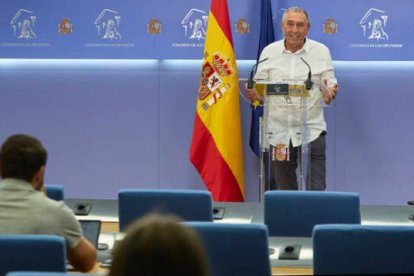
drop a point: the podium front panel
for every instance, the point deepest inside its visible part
(289, 109)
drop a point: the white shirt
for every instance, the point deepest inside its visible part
(284, 114)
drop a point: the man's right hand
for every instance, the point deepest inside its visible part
(253, 95)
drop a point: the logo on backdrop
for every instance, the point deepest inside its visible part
(65, 27)
(373, 24)
(154, 26)
(330, 26)
(242, 26)
(23, 24)
(194, 25)
(107, 24)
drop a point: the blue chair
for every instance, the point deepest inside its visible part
(32, 253)
(295, 213)
(235, 249)
(55, 192)
(363, 249)
(190, 205)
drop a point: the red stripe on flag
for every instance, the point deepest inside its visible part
(214, 170)
(221, 12)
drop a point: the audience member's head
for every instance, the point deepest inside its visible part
(22, 157)
(159, 245)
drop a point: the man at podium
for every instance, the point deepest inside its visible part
(294, 118)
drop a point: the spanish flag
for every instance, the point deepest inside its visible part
(216, 149)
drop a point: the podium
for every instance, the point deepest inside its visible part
(288, 107)
(285, 103)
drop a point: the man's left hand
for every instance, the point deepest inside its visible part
(329, 93)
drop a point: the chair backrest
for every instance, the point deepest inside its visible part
(55, 192)
(363, 249)
(32, 253)
(295, 213)
(235, 249)
(190, 205)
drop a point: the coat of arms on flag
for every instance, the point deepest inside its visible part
(216, 70)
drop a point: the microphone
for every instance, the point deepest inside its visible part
(308, 82)
(250, 81)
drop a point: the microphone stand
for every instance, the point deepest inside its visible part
(265, 155)
(250, 81)
(308, 82)
(304, 157)
(250, 85)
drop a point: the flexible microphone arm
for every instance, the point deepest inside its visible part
(250, 81)
(308, 82)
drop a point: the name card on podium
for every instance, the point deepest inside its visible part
(282, 89)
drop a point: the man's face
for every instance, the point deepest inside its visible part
(295, 28)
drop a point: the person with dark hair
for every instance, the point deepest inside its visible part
(24, 207)
(158, 245)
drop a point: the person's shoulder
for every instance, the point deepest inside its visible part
(61, 214)
(313, 44)
(42, 200)
(51, 206)
(273, 46)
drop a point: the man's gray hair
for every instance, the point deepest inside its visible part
(297, 10)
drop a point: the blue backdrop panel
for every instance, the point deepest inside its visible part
(245, 24)
(178, 98)
(353, 29)
(360, 30)
(76, 29)
(184, 29)
(374, 137)
(128, 124)
(98, 121)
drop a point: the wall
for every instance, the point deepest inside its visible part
(112, 124)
